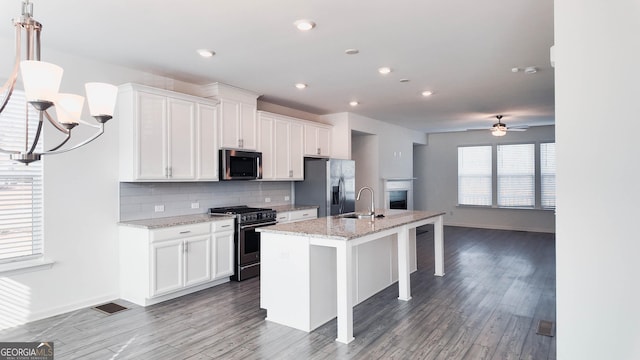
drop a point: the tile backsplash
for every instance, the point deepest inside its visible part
(140, 200)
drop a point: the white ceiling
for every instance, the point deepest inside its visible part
(461, 50)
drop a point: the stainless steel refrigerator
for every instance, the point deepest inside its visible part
(329, 184)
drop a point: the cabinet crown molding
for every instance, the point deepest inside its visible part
(219, 90)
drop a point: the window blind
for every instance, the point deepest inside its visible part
(474, 175)
(516, 174)
(20, 186)
(548, 175)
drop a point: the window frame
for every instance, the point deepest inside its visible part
(494, 176)
(13, 170)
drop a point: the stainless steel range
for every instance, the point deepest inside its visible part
(247, 239)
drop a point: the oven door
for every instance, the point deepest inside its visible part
(248, 251)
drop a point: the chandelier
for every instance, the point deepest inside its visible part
(41, 82)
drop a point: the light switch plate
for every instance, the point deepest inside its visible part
(195, 205)
(267, 200)
(159, 208)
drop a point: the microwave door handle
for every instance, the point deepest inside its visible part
(258, 168)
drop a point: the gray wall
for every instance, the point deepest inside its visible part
(436, 170)
(138, 200)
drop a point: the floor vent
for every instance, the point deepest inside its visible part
(110, 308)
(545, 328)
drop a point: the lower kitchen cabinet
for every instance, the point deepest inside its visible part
(223, 249)
(161, 264)
(296, 215)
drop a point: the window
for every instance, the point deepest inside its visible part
(510, 176)
(20, 187)
(474, 175)
(548, 175)
(516, 175)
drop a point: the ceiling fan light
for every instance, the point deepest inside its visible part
(498, 130)
(41, 80)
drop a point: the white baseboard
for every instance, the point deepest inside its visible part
(54, 311)
(502, 227)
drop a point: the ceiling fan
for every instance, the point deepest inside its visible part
(500, 128)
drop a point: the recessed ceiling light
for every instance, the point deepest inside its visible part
(205, 53)
(304, 25)
(301, 86)
(354, 103)
(384, 70)
(427, 93)
(404, 80)
(351, 51)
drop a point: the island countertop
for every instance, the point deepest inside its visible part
(335, 227)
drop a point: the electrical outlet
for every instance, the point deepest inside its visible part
(195, 205)
(267, 200)
(286, 198)
(159, 208)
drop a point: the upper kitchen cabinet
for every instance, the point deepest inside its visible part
(281, 144)
(237, 114)
(166, 136)
(317, 140)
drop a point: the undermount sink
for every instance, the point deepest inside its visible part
(361, 216)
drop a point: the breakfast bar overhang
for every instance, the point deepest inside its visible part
(307, 267)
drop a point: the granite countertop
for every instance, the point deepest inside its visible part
(335, 227)
(174, 221)
(291, 207)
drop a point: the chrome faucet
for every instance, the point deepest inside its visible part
(372, 211)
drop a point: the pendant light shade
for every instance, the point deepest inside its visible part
(101, 98)
(69, 108)
(41, 80)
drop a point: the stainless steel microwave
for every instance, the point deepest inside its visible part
(240, 165)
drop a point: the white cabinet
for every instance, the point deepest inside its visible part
(237, 114)
(238, 125)
(166, 136)
(222, 236)
(180, 257)
(206, 143)
(297, 215)
(265, 144)
(281, 144)
(317, 140)
(160, 264)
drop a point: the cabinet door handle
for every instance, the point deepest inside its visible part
(319, 151)
(290, 173)
(186, 247)
(305, 214)
(185, 232)
(225, 226)
(170, 171)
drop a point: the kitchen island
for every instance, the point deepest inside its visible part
(307, 268)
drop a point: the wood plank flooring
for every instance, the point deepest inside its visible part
(498, 285)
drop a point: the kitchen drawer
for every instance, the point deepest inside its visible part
(282, 217)
(181, 231)
(222, 225)
(303, 214)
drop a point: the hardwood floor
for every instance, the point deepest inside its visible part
(498, 285)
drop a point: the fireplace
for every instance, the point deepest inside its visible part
(398, 194)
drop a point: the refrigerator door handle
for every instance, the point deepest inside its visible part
(341, 195)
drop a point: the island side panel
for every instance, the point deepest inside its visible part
(284, 279)
(324, 298)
